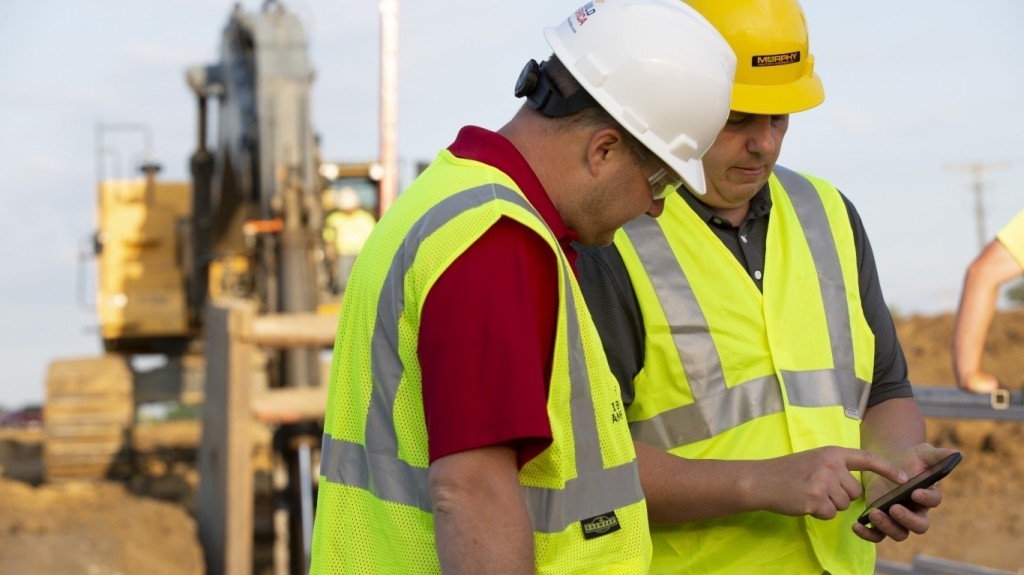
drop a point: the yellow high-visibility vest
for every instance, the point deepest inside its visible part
(374, 512)
(348, 231)
(732, 372)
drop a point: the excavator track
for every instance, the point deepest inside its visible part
(87, 417)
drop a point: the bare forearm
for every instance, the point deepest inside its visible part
(680, 490)
(480, 520)
(892, 427)
(992, 268)
(973, 319)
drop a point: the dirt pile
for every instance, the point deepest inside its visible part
(106, 528)
(146, 525)
(97, 529)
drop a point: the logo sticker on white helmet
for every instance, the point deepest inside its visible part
(579, 18)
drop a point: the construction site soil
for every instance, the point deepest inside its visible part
(146, 523)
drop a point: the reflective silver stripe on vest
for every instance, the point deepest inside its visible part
(718, 408)
(811, 212)
(377, 468)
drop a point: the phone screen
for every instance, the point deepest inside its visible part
(901, 494)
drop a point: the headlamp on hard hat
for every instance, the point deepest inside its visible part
(541, 94)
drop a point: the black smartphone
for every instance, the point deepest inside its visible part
(901, 494)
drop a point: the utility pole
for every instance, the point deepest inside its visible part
(388, 102)
(977, 170)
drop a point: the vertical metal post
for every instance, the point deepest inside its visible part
(977, 170)
(979, 205)
(388, 102)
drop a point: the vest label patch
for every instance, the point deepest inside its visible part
(600, 525)
(775, 59)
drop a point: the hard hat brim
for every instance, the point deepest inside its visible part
(692, 173)
(790, 98)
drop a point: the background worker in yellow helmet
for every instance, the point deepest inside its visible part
(1001, 261)
(347, 229)
(754, 348)
(472, 424)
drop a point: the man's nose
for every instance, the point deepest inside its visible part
(761, 138)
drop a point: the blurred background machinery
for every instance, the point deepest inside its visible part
(220, 293)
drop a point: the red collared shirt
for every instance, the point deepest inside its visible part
(487, 328)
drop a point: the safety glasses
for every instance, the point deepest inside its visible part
(664, 183)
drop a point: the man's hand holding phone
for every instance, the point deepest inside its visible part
(896, 511)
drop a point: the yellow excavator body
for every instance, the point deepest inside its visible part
(141, 290)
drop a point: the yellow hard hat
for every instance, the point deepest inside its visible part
(774, 67)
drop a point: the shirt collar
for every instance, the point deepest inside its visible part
(760, 205)
(493, 149)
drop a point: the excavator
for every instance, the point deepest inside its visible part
(245, 232)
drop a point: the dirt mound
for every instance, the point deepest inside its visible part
(96, 528)
(104, 528)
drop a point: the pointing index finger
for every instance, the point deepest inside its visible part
(860, 460)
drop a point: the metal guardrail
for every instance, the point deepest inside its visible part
(953, 403)
(927, 565)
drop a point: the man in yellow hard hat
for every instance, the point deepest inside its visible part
(756, 355)
(472, 423)
(1002, 260)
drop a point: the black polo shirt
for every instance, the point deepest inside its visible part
(613, 304)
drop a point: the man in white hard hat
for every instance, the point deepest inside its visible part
(757, 357)
(472, 423)
(1001, 261)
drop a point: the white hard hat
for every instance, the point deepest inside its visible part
(659, 68)
(347, 199)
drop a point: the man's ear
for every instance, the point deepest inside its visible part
(607, 147)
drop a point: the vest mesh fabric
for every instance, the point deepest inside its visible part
(374, 510)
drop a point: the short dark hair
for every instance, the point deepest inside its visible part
(592, 117)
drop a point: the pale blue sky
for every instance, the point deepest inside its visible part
(912, 87)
